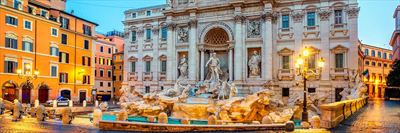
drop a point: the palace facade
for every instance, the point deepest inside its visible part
(158, 37)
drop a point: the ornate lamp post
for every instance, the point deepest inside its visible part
(28, 73)
(302, 69)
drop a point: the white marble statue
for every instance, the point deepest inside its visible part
(183, 67)
(213, 65)
(233, 90)
(254, 63)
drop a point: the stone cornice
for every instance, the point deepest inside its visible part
(239, 18)
(298, 16)
(324, 14)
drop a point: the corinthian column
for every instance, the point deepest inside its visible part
(267, 47)
(171, 57)
(238, 72)
(193, 63)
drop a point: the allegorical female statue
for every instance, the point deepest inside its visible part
(183, 67)
(254, 64)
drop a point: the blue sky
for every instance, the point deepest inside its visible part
(376, 23)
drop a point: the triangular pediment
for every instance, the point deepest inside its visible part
(133, 59)
(339, 49)
(285, 51)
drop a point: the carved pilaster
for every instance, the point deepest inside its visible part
(324, 14)
(171, 25)
(352, 12)
(269, 16)
(297, 16)
(155, 30)
(140, 31)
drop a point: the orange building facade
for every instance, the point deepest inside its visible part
(39, 36)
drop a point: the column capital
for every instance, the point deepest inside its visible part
(155, 29)
(192, 23)
(269, 16)
(324, 14)
(140, 31)
(171, 25)
(239, 18)
(352, 11)
(297, 16)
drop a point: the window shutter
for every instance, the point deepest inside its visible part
(16, 21)
(66, 77)
(15, 43)
(57, 52)
(84, 79)
(31, 46)
(6, 66)
(67, 57)
(60, 57)
(59, 77)
(83, 60)
(23, 45)
(7, 42)
(89, 61)
(15, 66)
(7, 19)
(88, 78)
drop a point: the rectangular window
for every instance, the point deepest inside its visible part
(12, 20)
(133, 36)
(86, 44)
(64, 39)
(163, 66)
(83, 60)
(101, 73)
(101, 49)
(53, 71)
(10, 67)
(148, 13)
(109, 73)
(101, 60)
(367, 63)
(390, 56)
(63, 77)
(285, 62)
(164, 33)
(133, 15)
(148, 34)
(54, 32)
(87, 30)
(101, 84)
(311, 19)
(64, 22)
(285, 92)
(43, 13)
(366, 52)
(285, 21)
(373, 53)
(339, 60)
(30, 9)
(148, 66)
(384, 56)
(27, 46)
(338, 16)
(109, 50)
(379, 54)
(63, 57)
(373, 64)
(133, 66)
(311, 90)
(17, 3)
(53, 51)
(27, 25)
(147, 89)
(11, 43)
(109, 84)
(86, 79)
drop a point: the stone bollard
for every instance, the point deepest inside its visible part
(97, 115)
(41, 113)
(2, 107)
(54, 103)
(36, 103)
(316, 122)
(17, 110)
(70, 103)
(163, 118)
(84, 103)
(185, 121)
(66, 116)
(151, 119)
(96, 103)
(266, 120)
(212, 120)
(122, 115)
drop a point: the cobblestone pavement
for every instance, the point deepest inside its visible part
(377, 116)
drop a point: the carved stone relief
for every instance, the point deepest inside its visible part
(254, 29)
(183, 35)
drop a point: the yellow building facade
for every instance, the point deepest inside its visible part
(37, 38)
(378, 62)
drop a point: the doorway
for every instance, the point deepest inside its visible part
(10, 91)
(43, 93)
(66, 94)
(82, 96)
(26, 92)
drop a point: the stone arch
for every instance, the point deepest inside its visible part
(10, 90)
(43, 92)
(216, 36)
(215, 25)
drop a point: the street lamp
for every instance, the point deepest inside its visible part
(28, 73)
(302, 69)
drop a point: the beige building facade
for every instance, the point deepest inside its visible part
(256, 42)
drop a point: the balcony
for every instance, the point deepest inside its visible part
(147, 76)
(285, 74)
(339, 73)
(311, 32)
(133, 76)
(285, 33)
(339, 30)
(162, 76)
